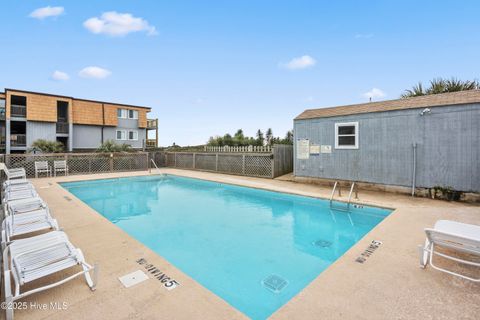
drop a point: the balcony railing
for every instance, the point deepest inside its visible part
(18, 111)
(151, 143)
(62, 127)
(152, 123)
(18, 140)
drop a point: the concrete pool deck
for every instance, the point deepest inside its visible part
(388, 285)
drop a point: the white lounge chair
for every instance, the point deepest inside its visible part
(19, 194)
(26, 216)
(13, 173)
(42, 167)
(21, 224)
(456, 236)
(7, 187)
(24, 205)
(30, 259)
(60, 166)
(14, 182)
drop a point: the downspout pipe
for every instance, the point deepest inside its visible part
(414, 171)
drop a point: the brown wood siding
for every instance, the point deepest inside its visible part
(43, 107)
(85, 112)
(142, 118)
(111, 118)
(7, 105)
(39, 107)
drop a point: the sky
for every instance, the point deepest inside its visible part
(211, 67)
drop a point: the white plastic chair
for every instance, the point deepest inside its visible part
(42, 167)
(457, 236)
(60, 166)
(29, 259)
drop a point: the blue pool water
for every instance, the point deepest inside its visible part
(255, 249)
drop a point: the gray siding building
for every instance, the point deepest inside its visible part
(427, 141)
(79, 124)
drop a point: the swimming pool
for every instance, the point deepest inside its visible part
(255, 249)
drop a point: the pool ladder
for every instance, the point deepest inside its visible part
(353, 188)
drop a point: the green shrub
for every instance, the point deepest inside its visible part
(47, 146)
(112, 146)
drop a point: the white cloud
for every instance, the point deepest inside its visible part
(94, 72)
(374, 93)
(302, 62)
(309, 99)
(59, 76)
(364, 35)
(42, 13)
(118, 24)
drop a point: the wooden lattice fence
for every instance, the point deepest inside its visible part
(271, 164)
(82, 163)
(267, 165)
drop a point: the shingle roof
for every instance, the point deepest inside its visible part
(443, 99)
(68, 97)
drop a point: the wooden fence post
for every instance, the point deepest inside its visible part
(216, 161)
(243, 164)
(194, 156)
(111, 162)
(272, 161)
(66, 160)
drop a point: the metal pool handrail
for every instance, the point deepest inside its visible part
(154, 165)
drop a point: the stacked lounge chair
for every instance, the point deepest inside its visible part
(33, 246)
(457, 237)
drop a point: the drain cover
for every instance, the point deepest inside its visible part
(274, 283)
(322, 243)
(133, 278)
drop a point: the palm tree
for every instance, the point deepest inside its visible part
(260, 137)
(454, 84)
(437, 85)
(440, 85)
(416, 91)
(289, 136)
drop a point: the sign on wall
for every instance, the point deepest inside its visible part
(326, 149)
(303, 149)
(314, 149)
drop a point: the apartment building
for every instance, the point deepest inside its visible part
(79, 124)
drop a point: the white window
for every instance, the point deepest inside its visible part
(122, 113)
(346, 135)
(121, 135)
(133, 135)
(132, 114)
